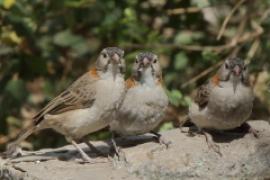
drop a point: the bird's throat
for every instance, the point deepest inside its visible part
(147, 77)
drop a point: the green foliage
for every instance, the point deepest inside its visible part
(176, 98)
(181, 61)
(45, 45)
(166, 126)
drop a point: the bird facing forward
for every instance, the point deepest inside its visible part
(88, 105)
(226, 101)
(145, 101)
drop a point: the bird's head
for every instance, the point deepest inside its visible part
(146, 67)
(111, 59)
(234, 70)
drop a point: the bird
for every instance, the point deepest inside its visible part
(225, 102)
(145, 102)
(86, 106)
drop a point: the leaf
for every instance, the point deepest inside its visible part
(130, 14)
(11, 36)
(66, 38)
(183, 38)
(13, 121)
(187, 37)
(8, 3)
(5, 50)
(78, 3)
(80, 48)
(186, 101)
(201, 3)
(210, 56)
(180, 61)
(170, 77)
(166, 126)
(16, 88)
(175, 97)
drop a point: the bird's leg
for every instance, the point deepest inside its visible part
(182, 121)
(120, 154)
(210, 143)
(192, 131)
(85, 157)
(160, 139)
(93, 148)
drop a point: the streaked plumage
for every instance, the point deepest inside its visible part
(88, 105)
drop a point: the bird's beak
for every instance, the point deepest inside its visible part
(237, 70)
(115, 58)
(146, 61)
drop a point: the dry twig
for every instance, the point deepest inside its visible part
(184, 10)
(202, 74)
(227, 19)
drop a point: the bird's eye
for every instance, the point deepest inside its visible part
(155, 61)
(226, 66)
(245, 68)
(136, 61)
(104, 55)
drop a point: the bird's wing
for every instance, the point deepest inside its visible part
(202, 96)
(203, 92)
(80, 94)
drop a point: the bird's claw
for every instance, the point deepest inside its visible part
(211, 144)
(165, 142)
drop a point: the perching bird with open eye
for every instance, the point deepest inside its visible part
(145, 101)
(226, 101)
(87, 106)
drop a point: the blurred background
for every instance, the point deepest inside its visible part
(45, 45)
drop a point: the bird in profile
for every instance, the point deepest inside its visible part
(145, 102)
(225, 102)
(86, 106)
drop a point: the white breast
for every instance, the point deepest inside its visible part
(142, 110)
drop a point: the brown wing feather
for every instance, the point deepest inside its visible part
(202, 96)
(81, 94)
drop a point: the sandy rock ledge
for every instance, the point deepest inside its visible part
(243, 157)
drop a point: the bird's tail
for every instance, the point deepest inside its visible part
(13, 149)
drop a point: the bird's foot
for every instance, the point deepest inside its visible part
(84, 156)
(13, 151)
(88, 160)
(254, 132)
(161, 140)
(246, 128)
(164, 141)
(211, 144)
(118, 152)
(191, 132)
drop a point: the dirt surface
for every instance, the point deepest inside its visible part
(243, 157)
